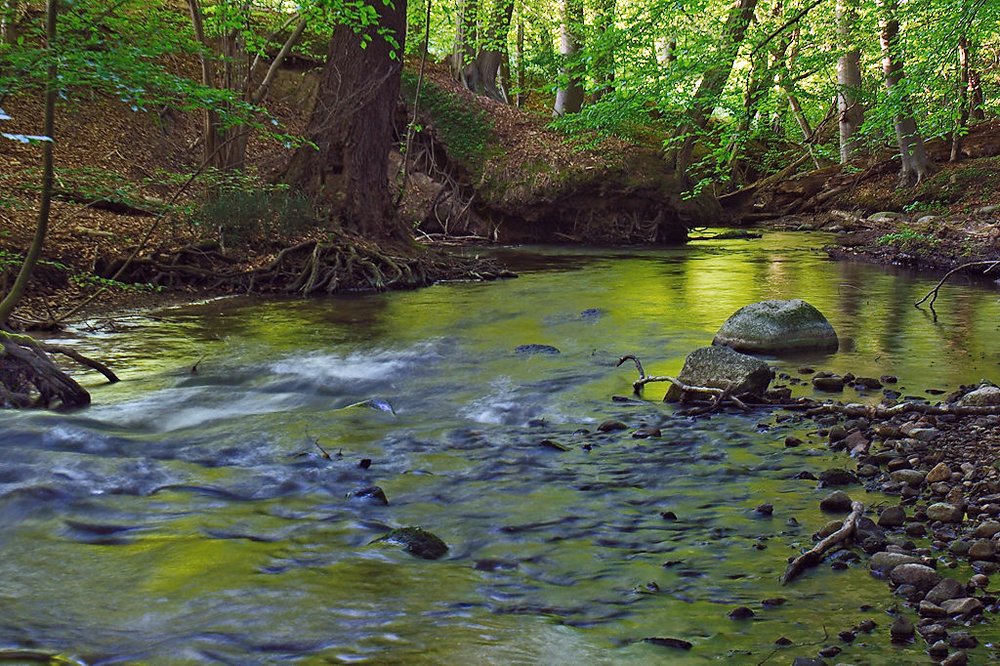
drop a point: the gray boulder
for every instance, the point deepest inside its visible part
(987, 396)
(721, 367)
(776, 327)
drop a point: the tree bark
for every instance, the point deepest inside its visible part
(520, 94)
(713, 82)
(915, 165)
(352, 128)
(848, 82)
(963, 100)
(13, 297)
(569, 95)
(481, 47)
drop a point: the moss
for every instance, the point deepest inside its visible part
(464, 129)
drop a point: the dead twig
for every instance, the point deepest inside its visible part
(933, 293)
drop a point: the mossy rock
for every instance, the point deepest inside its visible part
(778, 327)
(722, 368)
(417, 542)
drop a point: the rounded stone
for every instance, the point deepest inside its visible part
(893, 516)
(775, 327)
(944, 512)
(918, 575)
(722, 368)
(987, 396)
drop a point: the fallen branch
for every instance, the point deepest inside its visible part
(814, 556)
(933, 293)
(854, 410)
(719, 398)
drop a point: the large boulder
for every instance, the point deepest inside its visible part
(723, 368)
(776, 327)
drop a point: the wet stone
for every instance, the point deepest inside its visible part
(962, 640)
(956, 659)
(837, 477)
(919, 576)
(830, 384)
(611, 426)
(808, 661)
(949, 588)
(783, 641)
(847, 636)
(371, 495)
(830, 651)
(982, 549)
(417, 541)
(662, 641)
(944, 512)
(901, 630)
(884, 562)
(740, 613)
(938, 650)
(646, 433)
(988, 529)
(536, 349)
(765, 509)
(963, 606)
(836, 502)
(928, 609)
(893, 516)
(980, 581)
(910, 477)
(867, 626)
(940, 472)
(792, 442)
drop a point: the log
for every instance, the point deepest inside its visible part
(814, 556)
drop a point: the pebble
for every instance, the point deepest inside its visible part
(792, 442)
(928, 609)
(611, 426)
(963, 606)
(980, 581)
(885, 562)
(830, 651)
(938, 651)
(765, 509)
(646, 433)
(837, 476)
(371, 495)
(831, 384)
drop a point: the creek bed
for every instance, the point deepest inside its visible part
(191, 517)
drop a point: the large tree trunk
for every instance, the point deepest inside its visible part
(352, 128)
(915, 164)
(713, 82)
(481, 47)
(569, 95)
(848, 83)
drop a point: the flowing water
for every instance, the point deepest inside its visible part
(190, 517)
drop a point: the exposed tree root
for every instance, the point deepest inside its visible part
(814, 556)
(339, 263)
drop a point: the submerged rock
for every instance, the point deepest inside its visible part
(723, 368)
(536, 349)
(370, 494)
(416, 541)
(776, 327)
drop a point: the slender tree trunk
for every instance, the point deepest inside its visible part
(848, 82)
(713, 82)
(569, 95)
(963, 100)
(352, 128)
(519, 95)
(915, 163)
(9, 13)
(16, 293)
(977, 101)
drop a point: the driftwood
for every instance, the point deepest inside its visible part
(814, 556)
(855, 410)
(719, 398)
(933, 293)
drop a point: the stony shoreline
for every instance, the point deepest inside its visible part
(945, 470)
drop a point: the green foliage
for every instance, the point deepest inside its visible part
(908, 240)
(466, 131)
(241, 209)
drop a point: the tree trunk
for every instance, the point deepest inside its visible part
(851, 112)
(352, 128)
(977, 101)
(521, 93)
(481, 47)
(915, 163)
(666, 51)
(713, 82)
(9, 14)
(569, 95)
(963, 100)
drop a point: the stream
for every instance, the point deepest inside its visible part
(191, 517)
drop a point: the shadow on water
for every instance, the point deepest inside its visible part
(194, 517)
